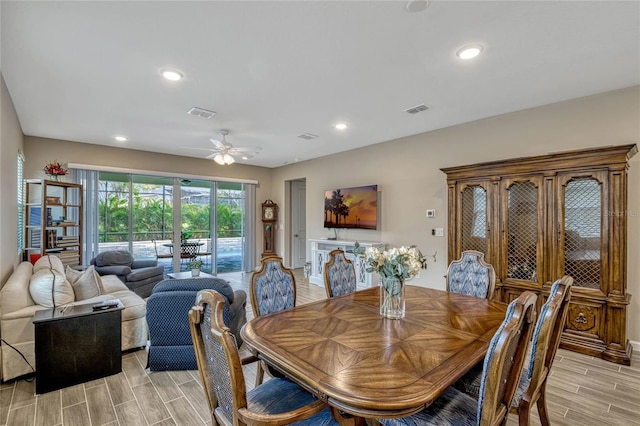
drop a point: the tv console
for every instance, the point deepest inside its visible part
(320, 249)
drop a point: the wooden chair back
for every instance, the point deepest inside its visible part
(471, 275)
(546, 335)
(503, 362)
(272, 287)
(217, 356)
(339, 274)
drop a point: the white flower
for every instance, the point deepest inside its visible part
(403, 262)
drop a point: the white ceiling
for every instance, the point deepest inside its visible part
(86, 71)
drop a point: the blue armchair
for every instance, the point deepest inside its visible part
(170, 343)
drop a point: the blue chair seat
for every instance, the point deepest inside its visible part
(453, 408)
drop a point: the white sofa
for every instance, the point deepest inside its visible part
(17, 309)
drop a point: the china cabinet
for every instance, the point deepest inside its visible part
(539, 218)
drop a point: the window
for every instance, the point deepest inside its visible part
(20, 193)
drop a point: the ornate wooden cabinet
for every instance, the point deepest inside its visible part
(539, 218)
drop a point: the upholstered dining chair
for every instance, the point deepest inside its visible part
(542, 351)
(276, 402)
(471, 275)
(500, 376)
(272, 289)
(339, 274)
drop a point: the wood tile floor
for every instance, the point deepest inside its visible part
(581, 391)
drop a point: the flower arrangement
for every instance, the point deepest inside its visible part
(399, 262)
(394, 267)
(55, 169)
(195, 264)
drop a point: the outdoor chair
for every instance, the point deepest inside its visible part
(500, 376)
(471, 275)
(339, 275)
(276, 402)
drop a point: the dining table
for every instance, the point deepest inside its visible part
(366, 366)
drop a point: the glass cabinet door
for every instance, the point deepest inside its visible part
(581, 225)
(521, 224)
(474, 232)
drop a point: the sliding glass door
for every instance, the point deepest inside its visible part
(206, 222)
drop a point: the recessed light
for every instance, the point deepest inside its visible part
(120, 138)
(341, 126)
(416, 5)
(172, 75)
(469, 52)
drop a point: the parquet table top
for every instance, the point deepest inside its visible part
(342, 350)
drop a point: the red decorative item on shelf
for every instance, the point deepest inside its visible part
(55, 169)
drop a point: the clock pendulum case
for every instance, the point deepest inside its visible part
(269, 218)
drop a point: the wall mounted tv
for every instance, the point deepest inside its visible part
(351, 207)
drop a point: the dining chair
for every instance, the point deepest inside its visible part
(543, 348)
(541, 353)
(339, 274)
(501, 373)
(276, 402)
(272, 289)
(471, 275)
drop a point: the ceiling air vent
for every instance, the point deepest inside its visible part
(307, 136)
(201, 112)
(416, 109)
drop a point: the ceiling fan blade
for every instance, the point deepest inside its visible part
(201, 149)
(246, 149)
(210, 156)
(218, 144)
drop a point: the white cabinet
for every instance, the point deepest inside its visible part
(320, 250)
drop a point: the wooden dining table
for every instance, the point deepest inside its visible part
(367, 366)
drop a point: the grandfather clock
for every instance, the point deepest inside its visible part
(269, 218)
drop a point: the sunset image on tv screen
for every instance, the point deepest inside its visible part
(351, 207)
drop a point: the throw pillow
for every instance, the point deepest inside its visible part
(86, 284)
(50, 288)
(49, 262)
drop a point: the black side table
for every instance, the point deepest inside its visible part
(76, 345)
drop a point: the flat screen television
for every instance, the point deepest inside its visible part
(351, 207)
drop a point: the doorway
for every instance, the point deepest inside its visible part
(298, 215)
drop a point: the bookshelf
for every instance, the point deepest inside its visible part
(53, 220)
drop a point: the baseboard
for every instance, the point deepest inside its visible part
(635, 344)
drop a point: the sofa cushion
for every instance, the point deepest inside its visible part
(50, 288)
(112, 283)
(114, 257)
(49, 262)
(144, 273)
(86, 284)
(15, 292)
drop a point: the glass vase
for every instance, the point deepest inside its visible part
(392, 297)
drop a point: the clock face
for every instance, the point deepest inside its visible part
(268, 213)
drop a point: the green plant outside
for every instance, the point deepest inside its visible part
(153, 218)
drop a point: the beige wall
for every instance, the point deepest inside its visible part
(409, 180)
(406, 171)
(40, 151)
(11, 141)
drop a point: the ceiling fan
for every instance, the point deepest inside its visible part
(225, 153)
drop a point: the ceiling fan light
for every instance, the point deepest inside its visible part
(219, 159)
(228, 159)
